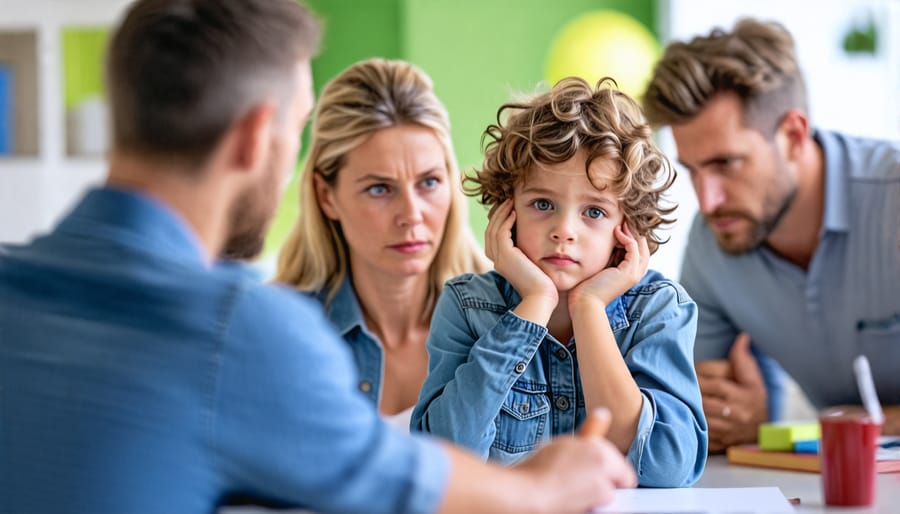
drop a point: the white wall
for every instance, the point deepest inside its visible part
(36, 191)
(858, 95)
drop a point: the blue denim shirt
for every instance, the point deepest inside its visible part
(135, 378)
(346, 316)
(815, 321)
(501, 385)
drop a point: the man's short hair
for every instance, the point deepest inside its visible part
(179, 72)
(756, 60)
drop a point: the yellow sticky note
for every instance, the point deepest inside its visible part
(781, 436)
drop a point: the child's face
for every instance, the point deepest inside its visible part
(564, 224)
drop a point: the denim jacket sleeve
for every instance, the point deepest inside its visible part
(669, 448)
(471, 371)
(291, 426)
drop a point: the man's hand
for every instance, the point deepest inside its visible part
(891, 420)
(734, 397)
(567, 475)
(586, 466)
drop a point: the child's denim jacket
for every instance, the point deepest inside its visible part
(500, 385)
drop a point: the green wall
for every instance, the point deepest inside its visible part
(355, 30)
(478, 52)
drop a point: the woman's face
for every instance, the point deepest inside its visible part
(392, 200)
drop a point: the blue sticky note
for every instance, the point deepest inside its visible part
(809, 446)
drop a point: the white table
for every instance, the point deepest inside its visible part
(797, 484)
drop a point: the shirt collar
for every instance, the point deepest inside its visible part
(837, 193)
(136, 220)
(344, 311)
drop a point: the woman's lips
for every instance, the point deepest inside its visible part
(409, 247)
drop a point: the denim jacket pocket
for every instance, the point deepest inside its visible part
(522, 418)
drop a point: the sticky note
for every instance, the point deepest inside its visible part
(782, 436)
(811, 446)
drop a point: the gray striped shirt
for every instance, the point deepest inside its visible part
(815, 321)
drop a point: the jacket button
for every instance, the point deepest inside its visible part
(365, 386)
(523, 408)
(562, 403)
(520, 367)
(562, 354)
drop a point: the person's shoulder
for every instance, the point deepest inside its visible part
(279, 319)
(655, 285)
(481, 289)
(866, 159)
(477, 281)
(277, 300)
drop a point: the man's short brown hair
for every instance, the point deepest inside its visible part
(756, 60)
(179, 72)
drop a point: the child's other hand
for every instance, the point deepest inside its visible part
(612, 282)
(525, 276)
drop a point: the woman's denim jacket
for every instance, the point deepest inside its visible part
(346, 316)
(500, 385)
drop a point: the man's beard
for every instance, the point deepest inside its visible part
(759, 228)
(249, 219)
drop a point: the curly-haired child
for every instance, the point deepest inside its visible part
(571, 319)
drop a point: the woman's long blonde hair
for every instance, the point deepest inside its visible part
(369, 96)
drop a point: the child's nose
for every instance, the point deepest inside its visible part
(563, 232)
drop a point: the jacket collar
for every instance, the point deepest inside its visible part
(135, 220)
(344, 311)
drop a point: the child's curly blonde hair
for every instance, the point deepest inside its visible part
(551, 127)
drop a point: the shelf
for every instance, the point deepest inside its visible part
(86, 128)
(18, 93)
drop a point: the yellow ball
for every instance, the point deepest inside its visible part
(604, 44)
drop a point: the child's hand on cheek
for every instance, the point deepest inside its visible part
(535, 287)
(612, 282)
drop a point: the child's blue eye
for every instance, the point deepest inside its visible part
(542, 205)
(594, 213)
(377, 190)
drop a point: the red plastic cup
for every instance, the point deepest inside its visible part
(847, 455)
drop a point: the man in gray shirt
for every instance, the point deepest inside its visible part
(796, 246)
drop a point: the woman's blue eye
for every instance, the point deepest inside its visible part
(430, 183)
(594, 213)
(377, 190)
(542, 205)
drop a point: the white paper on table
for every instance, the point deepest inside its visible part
(700, 500)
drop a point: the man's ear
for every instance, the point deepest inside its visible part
(324, 196)
(253, 133)
(792, 134)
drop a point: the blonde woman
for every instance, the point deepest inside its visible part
(382, 224)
